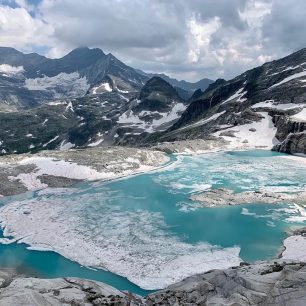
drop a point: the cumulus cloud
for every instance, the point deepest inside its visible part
(20, 30)
(186, 39)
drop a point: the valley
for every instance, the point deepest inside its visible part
(155, 181)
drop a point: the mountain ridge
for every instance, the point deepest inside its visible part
(40, 79)
(260, 108)
(272, 94)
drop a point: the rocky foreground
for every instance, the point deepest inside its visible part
(265, 283)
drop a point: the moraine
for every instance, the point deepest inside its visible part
(146, 228)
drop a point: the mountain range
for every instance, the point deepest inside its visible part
(28, 80)
(89, 98)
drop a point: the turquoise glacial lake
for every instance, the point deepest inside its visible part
(145, 226)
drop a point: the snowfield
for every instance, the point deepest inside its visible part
(129, 117)
(111, 166)
(299, 117)
(61, 86)
(262, 134)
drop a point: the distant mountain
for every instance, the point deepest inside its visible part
(12, 57)
(85, 98)
(188, 87)
(28, 80)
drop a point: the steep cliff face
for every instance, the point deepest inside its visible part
(291, 133)
(294, 143)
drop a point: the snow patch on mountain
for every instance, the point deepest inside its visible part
(203, 121)
(101, 88)
(238, 94)
(64, 146)
(96, 143)
(300, 117)
(50, 141)
(174, 114)
(274, 105)
(260, 134)
(160, 124)
(290, 78)
(61, 86)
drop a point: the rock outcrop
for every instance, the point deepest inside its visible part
(260, 284)
(223, 197)
(264, 283)
(294, 143)
(16, 290)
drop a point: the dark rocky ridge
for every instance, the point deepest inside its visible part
(278, 81)
(292, 135)
(156, 95)
(189, 87)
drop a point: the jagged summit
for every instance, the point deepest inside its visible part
(157, 95)
(84, 52)
(157, 85)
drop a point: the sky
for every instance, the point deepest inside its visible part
(186, 39)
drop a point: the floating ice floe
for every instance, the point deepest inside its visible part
(136, 244)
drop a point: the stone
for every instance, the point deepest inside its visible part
(264, 283)
(228, 134)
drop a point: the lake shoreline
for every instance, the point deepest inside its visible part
(28, 212)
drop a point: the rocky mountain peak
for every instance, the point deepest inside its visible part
(83, 52)
(197, 94)
(157, 85)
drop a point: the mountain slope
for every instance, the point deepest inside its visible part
(261, 107)
(103, 118)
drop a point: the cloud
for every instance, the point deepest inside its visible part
(284, 29)
(186, 39)
(19, 30)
